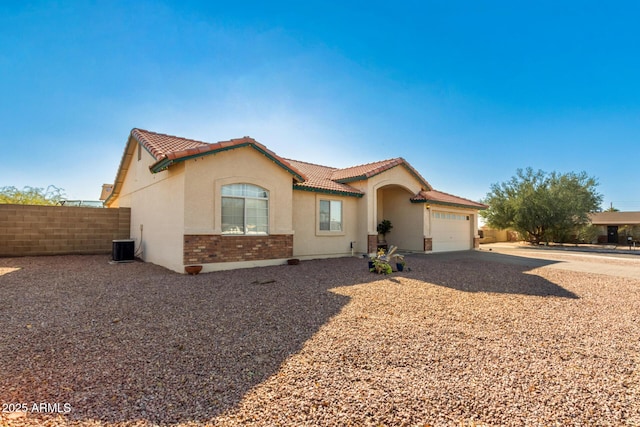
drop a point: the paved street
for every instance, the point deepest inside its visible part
(621, 264)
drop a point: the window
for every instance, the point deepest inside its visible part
(245, 209)
(330, 215)
(449, 215)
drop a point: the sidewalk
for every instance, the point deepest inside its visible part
(604, 248)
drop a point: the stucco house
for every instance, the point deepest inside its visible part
(235, 204)
(616, 227)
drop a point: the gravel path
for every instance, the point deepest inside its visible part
(464, 339)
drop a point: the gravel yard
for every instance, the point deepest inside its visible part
(467, 339)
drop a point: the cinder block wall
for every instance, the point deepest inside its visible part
(57, 230)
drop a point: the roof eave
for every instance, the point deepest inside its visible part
(327, 191)
(362, 177)
(452, 204)
(167, 161)
(351, 179)
(122, 171)
(161, 165)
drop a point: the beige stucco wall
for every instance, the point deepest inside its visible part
(474, 222)
(396, 185)
(157, 210)
(309, 241)
(364, 216)
(407, 218)
(206, 175)
(395, 176)
(185, 200)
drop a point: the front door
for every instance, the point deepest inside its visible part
(612, 233)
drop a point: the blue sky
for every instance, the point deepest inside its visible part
(466, 91)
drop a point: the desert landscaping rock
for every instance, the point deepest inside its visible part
(461, 340)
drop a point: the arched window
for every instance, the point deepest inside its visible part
(245, 209)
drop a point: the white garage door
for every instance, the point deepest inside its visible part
(450, 231)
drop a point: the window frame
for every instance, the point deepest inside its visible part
(329, 232)
(450, 215)
(245, 208)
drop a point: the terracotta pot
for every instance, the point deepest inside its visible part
(193, 269)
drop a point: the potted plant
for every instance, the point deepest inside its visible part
(372, 257)
(400, 263)
(383, 228)
(381, 261)
(381, 267)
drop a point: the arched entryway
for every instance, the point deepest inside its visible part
(393, 202)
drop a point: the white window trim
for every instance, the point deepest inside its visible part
(266, 183)
(267, 199)
(329, 232)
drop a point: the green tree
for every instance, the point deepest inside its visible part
(541, 206)
(587, 233)
(52, 195)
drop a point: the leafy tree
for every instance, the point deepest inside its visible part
(542, 206)
(587, 233)
(52, 195)
(632, 231)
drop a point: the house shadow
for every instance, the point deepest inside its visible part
(136, 343)
(477, 271)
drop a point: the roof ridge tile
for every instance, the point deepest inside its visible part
(167, 135)
(309, 163)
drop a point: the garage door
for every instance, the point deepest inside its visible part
(450, 231)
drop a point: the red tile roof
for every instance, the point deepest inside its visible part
(360, 172)
(169, 149)
(439, 197)
(160, 145)
(333, 179)
(319, 178)
(364, 171)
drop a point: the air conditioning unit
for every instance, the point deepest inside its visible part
(123, 250)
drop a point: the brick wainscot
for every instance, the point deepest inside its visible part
(204, 249)
(372, 243)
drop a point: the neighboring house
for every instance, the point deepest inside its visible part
(616, 227)
(106, 191)
(235, 204)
